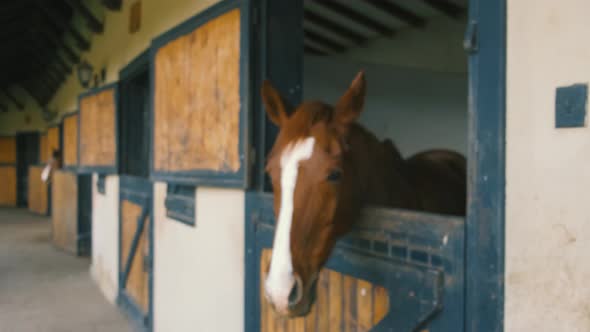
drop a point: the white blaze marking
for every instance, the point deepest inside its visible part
(280, 277)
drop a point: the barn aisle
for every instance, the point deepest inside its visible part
(43, 289)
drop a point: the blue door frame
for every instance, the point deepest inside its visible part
(134, 183)
(482, 257)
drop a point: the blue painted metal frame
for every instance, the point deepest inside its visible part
(570, 105)
(180, 203)
(417, 257)
(73, 168)
(84, 237)
(484, 301)
(109, 169)
(239, 179)
(139, 191)
(19, 153)
(101, 183)
(135, 66)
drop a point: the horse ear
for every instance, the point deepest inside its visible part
(351, 104)
(275, 105)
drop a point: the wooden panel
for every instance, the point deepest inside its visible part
(43, 157)
(64, 210)
(343, 303)
(37, 191)
(197, 99)
(70, 137)
(97, 129)
(7, 150)
(8, 181)
(137, 283)
(52, 140)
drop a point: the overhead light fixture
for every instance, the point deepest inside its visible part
(85, 73)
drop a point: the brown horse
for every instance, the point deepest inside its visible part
(324, 168)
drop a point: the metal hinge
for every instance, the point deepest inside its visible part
(470, 39)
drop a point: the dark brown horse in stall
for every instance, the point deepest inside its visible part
(325, 168)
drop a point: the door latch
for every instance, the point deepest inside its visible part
(470, 38)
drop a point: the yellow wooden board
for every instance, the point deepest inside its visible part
(343, 303)
(70, 140)
(7, 150)
(43, 156)
(137, 283)
(64, 210)
(37, 191)
(52, 140)
(197, 99)
(8, 182)
(97, 129)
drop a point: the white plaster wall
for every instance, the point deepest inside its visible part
(105, 237)
(418, 108)
(547, 219)
(199, 271)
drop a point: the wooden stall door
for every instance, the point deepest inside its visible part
(389, 274)
(8, 181)
(71, 211)
(97, 131)
(343, 303)
(64, 216)
(135, 231)
(8, 178)
(199, 103)
(38, 191)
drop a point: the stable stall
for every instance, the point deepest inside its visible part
(8, 170)
(71, 200)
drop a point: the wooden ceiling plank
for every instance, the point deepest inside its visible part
(82, 41)
(114, 5)
(13, 99)
(334, 27)
(448, 8)
(95, 23)
(399, 12)
(357, 17)
(324, 41)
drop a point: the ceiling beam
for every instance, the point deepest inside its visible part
(448, 8)
(334, 27)
(114, 5)
(357, 17)
(13, 99)
(317, 38)
(56, 19)
(57, 42)
(398, 12)
(313, 50)
(94, 23)
(28, 89)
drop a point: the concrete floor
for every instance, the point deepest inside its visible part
(43, 289)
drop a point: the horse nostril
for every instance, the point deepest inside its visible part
(296, 293)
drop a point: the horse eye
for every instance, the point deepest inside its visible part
(334, 175)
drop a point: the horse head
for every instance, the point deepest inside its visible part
(314, 191)
(53, 163)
